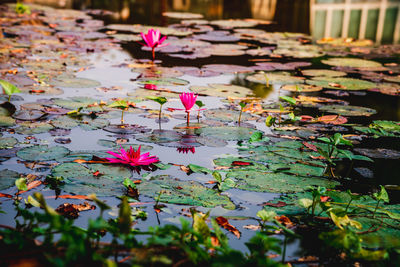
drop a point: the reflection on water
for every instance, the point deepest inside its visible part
(378, 20)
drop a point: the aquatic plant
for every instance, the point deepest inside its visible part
(152, 39)
(9, 88)
(160, 100)
(188, 100)
(122, 105)
(132, 157)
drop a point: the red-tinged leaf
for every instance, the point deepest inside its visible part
(140, 203)
(325, 198)
(97, 173)
(306, 118)
(215, 241)
(37, 91)
(310, 146)
(5, 195)
(223, 222)
(241, 163)
(284, 220)
(279, 204)
(211, 182)
(332, 119)
(179, 187)
(317, 157)
(72, 210)
(137, 181)
(157, 210)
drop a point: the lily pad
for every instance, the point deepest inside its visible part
(275, 182)
(226, 133)
(74, 82)
(6, 121)
(183, 192)
(341, 83)
(348, 110)
(7, 178)
(323, 72)
(75, 102)
(234, 23)
(227, 115)
(164, 81)
(103, 180)
(279, 77)
(379, 153)
(29, 128)
(126, 129)
(301, 88)
(351, 62)
(160, 136)
(42, 153)
(7, 142)
(222, 90)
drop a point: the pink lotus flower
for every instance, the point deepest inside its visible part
(188, 100)
(152, 39)
(132, 157)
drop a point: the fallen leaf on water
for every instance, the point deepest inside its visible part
(279, 204)
(223, 222)
(31, 185)
(72, 210)
(5, 195)
(284, 220)
(310, 146)
(252, 227)
(70, 197)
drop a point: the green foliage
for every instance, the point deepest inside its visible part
(8, 88)
(288, 99)
(120, 104)
(22, 9)
(159, 99)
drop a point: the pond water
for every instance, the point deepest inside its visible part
(86, 61)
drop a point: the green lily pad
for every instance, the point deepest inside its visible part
(28, 115)
(64, 122)
(351, 62)
(89, 124)
(348, 110)
(341, 83)
(381, 128)
(323, 72)
(142, 94)
(76, 102)
(160, 136)
(227, 115)
(163, 81)
(6, 121)
(103, 180)
(301, 88)
(183, 192)
(73, 82)
(234, 23)
(83, 154)
(7, 178)
(226, 133)
(29, 128)
(279, 77)
(211, 141)
(275, 182)
(42, 153)
(113, 145)
(7, 142)
(222, 90)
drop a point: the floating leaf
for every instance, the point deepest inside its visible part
(8, 178)
(226, 133)
(351, 62)
(83, 180)
(7, 142)
(42, 153)
(341, 83)
(183, 192)
(222, 90)
(73, 82)
(348, 110)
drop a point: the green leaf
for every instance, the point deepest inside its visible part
(288, 99)
(159, 99)
(266, 216)
(121, 104)
(124, 217)
(129, 183)
(200, 225)
(305, 202)
(382, 195)
(242, 104)
(198, 169)
(255, 137)
(32, 201)
(217, 176)
(199, 104)
(9, 88)
(21, 184)
(270, 121)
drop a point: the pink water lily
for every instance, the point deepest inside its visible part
(188, 100)
(132, 157)
(152, 39)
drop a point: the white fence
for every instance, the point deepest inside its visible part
(381, 7)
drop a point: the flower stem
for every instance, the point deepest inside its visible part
(153, 53)
(240, 115)
(9, 98)
(188, 118)
(122, 117)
